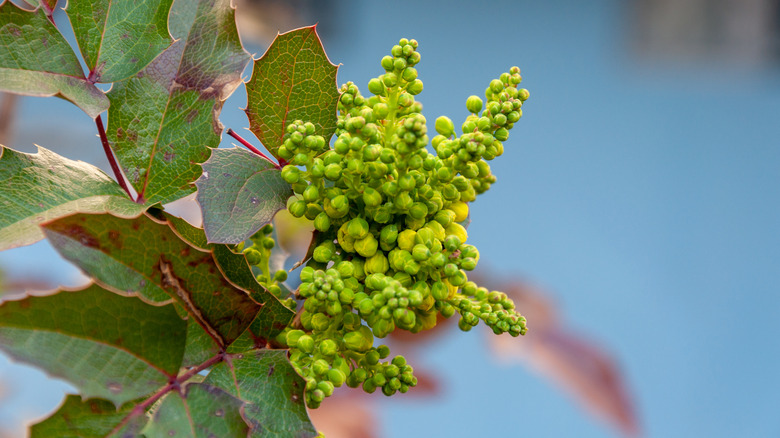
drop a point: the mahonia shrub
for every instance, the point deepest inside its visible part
(197, 330)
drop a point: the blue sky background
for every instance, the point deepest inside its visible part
(641, 193)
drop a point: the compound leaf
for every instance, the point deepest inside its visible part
(119, 37)
(166, 117)
(35, 188)
(272, 390)
(108, 346)
(203, 411)
(239, 192)
(143, 257)
(36, 60)
(293, 80)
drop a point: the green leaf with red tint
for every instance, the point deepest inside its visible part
(108, 346)
(200, 411)
(35, 188)
(272, 390)
(88, 419)
(118, 38)
(293, 80)
(166, 117)
(239, 192)
(35, 60)
(146, 258)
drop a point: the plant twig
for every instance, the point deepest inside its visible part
(111, 159)
(249, 146)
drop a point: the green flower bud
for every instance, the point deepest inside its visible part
(324, 252)
(387, 63)
(383, 351)
(369, 386)
(320, 322)
(336, 377)
(345, 269)
(293, 336)
(406, 100)
(406, 240)
(333, 308)
(376, 86)
(404, 318)
(409, 74)
(389, 79)
(444, 126)
(421, 252)
(328, 347)
(439, 291)
(357, 228)
(290, 174)
(381, 111)
(496, 86)
(305, 343)
(361, 340)
(474, 104)
(366, 246)
(333, 172)
(377, 263)
(523, 94)
(322, 222)
(298, 208)
(399, 64)
(383, 327)
(337, 207)
(403, 201)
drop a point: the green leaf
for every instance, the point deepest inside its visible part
(293, 80)
(119, 37)
(273, 316)
(202, 411)
(35, 188)
(141, 256)
(166, 117)
(93, 418)
(273, 391)
(108, 346)
(239, 192)
(35, 60)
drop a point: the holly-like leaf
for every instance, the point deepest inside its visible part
(35, 188)
(273, 316)
(293, 80)
(94, 418)
(272, 390)
(119, 37)
(110, 347)
(202, 411)
(239, 192)
(35, 60)
(141, 256)
(166, 117)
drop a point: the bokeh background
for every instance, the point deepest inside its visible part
(639, 193)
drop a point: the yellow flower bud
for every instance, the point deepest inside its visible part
(461, 210)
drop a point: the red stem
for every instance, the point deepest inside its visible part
(175, 384)
(110, 155)
(249, 146)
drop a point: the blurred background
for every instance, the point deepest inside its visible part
(636, 214)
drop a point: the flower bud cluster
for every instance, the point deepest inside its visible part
(391, 251)
(258, 254)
